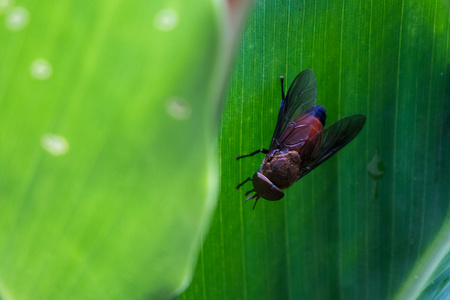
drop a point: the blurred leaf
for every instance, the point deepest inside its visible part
(436, 269)
(108, 163)
(372, 222)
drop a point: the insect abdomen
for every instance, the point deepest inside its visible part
(312, 144)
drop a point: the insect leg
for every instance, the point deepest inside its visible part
(243, 182)
(252, 197)
(254, 205)
(249, 192)
(282, 88)
(265, 151)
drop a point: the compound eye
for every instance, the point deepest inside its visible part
(265, 188)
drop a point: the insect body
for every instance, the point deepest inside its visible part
(300, 142)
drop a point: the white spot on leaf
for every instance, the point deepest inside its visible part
(55, 144)
(17, 18)
(5, 5)
(41, 69)
(178, 108)
(166, 20)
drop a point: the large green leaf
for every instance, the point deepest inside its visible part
(373, 221)
(108, 162)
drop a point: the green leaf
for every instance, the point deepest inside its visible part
(108, 163)
(373, 221)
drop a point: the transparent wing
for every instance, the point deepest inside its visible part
(334, 138)
(301, 95)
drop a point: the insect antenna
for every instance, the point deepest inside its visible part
(243, 182)
(282, 88)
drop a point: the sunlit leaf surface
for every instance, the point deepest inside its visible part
(372, 222)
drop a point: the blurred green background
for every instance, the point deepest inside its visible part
(109, 164)
(108, 157)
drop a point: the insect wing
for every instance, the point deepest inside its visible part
(302, 94)
(297, 132)
(334, 138)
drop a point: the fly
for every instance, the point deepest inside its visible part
(300, 142)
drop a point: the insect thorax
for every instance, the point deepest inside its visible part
(281, 169)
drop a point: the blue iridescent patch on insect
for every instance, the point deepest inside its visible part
(321, 114)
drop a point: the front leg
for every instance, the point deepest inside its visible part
(243, 182)
(265, 151)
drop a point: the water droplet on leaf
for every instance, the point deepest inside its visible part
(178, 108)
(55, 144)
(17, 18)
(166, 19)
(375, 167)
(41, 69)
